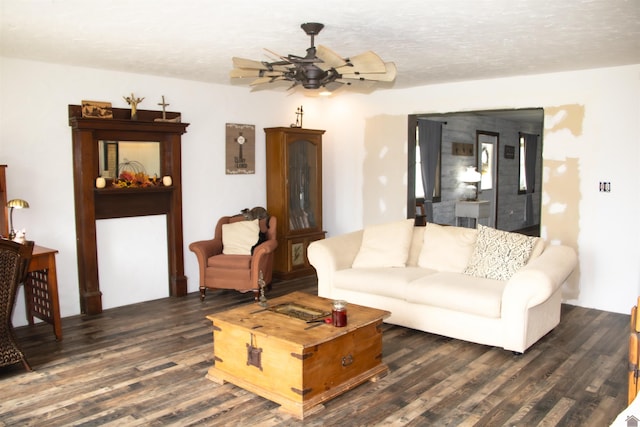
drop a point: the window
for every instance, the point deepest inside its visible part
(522, 186)
(418, 177)
(486, 166)
(415, 188)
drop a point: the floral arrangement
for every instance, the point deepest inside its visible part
(130, 179)
(133, 175)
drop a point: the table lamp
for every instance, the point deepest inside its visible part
(17, 204)
(470, 177)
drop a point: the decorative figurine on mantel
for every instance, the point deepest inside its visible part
(133, 101)
(164, 113)
(299, 114)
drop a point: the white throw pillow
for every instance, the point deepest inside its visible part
(447, 248)
(499, 254)
(239, 237)
(385, 245)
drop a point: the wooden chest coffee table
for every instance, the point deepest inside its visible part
(297, 364)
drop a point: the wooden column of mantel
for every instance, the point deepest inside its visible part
(92, 203)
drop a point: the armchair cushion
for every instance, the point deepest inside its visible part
(230, 262)
(239, 237)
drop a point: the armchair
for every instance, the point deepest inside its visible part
(231, 271)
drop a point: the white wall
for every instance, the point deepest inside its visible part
(597, 142)
(35, 142)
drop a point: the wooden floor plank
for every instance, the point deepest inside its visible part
(145, 365)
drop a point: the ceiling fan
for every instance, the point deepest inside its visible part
(319, 68)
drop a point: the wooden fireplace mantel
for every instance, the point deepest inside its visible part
(92, 203)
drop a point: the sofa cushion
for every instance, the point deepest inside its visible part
(498, 254)
(538, 248)
(416, 246)
(385, 245)
(457, 292)
(239, 237)
(447, 248)
(389, 282)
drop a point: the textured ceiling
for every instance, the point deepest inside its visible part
(431, 41)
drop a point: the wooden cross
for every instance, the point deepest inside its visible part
(299, 115)
(164, 104)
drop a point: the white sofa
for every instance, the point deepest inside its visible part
(434, 279)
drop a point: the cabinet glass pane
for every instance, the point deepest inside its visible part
(303, 185)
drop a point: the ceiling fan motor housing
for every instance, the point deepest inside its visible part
(312, 28)
(313, 76)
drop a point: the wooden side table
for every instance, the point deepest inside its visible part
(41, 289)
(476, 209)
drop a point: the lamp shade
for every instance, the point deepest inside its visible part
(17, 203)
(470, 175)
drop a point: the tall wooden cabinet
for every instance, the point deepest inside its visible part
(294, 195)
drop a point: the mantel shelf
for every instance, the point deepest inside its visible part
(128, 125)
(130, 190)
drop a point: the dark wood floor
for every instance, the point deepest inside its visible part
(145, 364)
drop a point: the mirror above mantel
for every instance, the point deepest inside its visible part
(114, 156)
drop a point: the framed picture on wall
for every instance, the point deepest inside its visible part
(240, 142)
(461, 149)
(97, 110)
(509, 152)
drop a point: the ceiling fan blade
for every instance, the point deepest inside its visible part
(248, 63)
(388, 76)
(333, 87)
(243, 73)
(368, 62)
(329, 58)
(256, 65)
(260, 80)
(276, 55)
(266, 79)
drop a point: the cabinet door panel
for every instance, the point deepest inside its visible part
(303, 185)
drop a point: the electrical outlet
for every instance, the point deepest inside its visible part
(605, 187)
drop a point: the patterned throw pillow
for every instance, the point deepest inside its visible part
(499, 254)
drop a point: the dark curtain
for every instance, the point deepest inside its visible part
(429, 140)
(531, 151)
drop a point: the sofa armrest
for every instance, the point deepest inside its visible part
(332, 254)
(540, 278)
(531, 286)
(204, 249)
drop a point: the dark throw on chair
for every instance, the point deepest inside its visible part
(14, 264)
